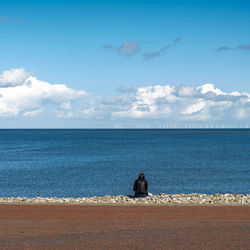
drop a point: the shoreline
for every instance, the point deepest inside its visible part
(194, 199)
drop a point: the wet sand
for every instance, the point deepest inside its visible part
(124, 227)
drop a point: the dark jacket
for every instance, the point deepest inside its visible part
(141, 186)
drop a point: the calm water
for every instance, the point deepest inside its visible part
(73, 163)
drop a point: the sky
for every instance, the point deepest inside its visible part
(124, 63)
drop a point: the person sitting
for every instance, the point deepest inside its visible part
(141, 186)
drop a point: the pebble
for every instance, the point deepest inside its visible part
(162, 199)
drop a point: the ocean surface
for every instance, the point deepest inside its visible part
(97, 162)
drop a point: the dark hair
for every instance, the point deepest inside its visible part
(141, 176)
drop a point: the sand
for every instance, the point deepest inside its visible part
(124, 227)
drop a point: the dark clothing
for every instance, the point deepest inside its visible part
(141, 186)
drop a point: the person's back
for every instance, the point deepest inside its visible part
(141, 186)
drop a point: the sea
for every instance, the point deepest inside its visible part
(98, 162)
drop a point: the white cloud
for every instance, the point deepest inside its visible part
(194, 108)
(66, 105)
(23, 94)
(13, 77)
(208, 87)
(202, 103)
(148, 102)
(187, 91)
(32, 113)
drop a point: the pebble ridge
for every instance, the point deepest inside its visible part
(161, 199)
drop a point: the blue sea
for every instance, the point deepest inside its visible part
(98, 162)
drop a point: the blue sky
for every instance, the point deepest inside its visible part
(110, 49)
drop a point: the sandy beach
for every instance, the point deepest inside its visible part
(26, 226)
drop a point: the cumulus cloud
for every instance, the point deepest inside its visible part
(202, 103)
(13, 77)
(186, 91)
(23, 94)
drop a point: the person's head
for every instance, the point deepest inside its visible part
(141, 176)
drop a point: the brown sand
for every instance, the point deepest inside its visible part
(123, 227)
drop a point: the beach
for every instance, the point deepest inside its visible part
(37, 226)
(160, 199)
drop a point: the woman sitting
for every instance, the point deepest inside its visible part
(141, 186)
